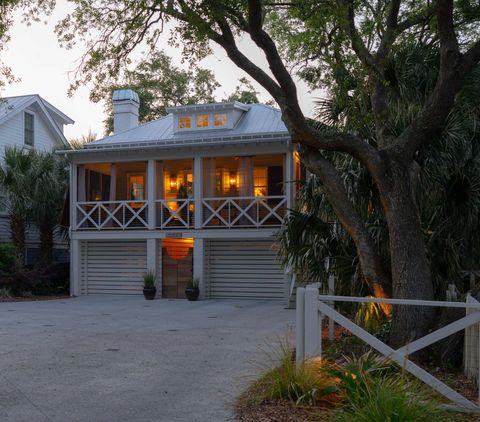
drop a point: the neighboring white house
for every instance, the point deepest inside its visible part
(28, 121)
(198, 193)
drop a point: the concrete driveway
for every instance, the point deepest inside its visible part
(113, 358)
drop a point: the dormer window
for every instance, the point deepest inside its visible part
(185, 122)
(202, 120)
(219, 120)
(29, 129)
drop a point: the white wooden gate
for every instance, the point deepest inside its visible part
(110, 267)
(243, 269)
(312, 307)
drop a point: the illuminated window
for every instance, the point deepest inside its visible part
(202, 121)
(260, 181)
(185, 122)
(136, 187)
(220, 119)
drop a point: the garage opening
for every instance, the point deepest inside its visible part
(244, 269)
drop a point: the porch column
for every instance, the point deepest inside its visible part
(198, 265)
(198, 192)
(75, 268)
(152, 262)
(151, 195)
(73, 196)
(289, 177)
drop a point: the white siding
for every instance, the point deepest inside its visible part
(112, 267)
(11, 132)
(243, 269)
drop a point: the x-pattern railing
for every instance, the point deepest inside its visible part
(244, 211)
(312, 307)
(175, 213)
(111, 215)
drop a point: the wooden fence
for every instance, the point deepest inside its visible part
(313, 307)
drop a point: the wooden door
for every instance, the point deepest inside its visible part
(176, 274)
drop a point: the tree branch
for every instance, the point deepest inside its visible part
(334, 189)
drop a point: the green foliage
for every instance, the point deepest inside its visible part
(35, 185)
(370, 316)
(309, 384)
(375, 392)
(160, 84)
(193, 283)
(7, 257)
(149, 279)
(448, 170)
(244, 93)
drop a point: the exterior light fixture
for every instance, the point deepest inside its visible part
(233, 180)
(173, 181)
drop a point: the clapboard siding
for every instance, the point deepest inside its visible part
(113, 267)
(245, 269)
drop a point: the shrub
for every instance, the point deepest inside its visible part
(149, 279)
(309, 384)
(376, 392)
(7, 257)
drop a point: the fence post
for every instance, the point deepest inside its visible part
(331, 292)
(312, 323)
(300, 327)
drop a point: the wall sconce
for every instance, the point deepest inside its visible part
(173, 181)
(233, 180)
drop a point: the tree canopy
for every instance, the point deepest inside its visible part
(161, 84)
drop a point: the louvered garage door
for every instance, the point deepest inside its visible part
(243, 269)
(113, 267)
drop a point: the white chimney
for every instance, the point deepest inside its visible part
(125, 109)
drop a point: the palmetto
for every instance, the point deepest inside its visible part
(448, 196)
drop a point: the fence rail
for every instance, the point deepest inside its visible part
(312, 307)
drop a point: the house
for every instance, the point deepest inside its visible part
(29, 121)
(198, 193)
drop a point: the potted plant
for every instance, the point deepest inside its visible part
(149, 289)
(192, 291)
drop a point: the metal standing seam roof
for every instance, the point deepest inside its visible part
(259, 122)
(10, 104)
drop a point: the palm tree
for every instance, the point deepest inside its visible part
(48, 196)
(448, 195)
(17, 180)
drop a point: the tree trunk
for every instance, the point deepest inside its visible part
(17, 230)
(411, 276)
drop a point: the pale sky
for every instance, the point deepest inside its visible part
(36, 57)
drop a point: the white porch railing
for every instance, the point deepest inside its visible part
(175, 213)
(105, 215)
(312, 307)
(244, 211)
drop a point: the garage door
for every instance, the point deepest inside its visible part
(113, 267)
(245, 269)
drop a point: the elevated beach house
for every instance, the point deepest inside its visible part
(198, 193)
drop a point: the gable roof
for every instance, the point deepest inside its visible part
(258, 122)
(11, 106)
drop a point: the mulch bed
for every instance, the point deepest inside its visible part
(280, 411)
(32, 298)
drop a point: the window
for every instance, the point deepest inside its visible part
(219, 120)
(136, 187)
(185, 122)
(202, 121)
(29, 124)
(260, 181)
